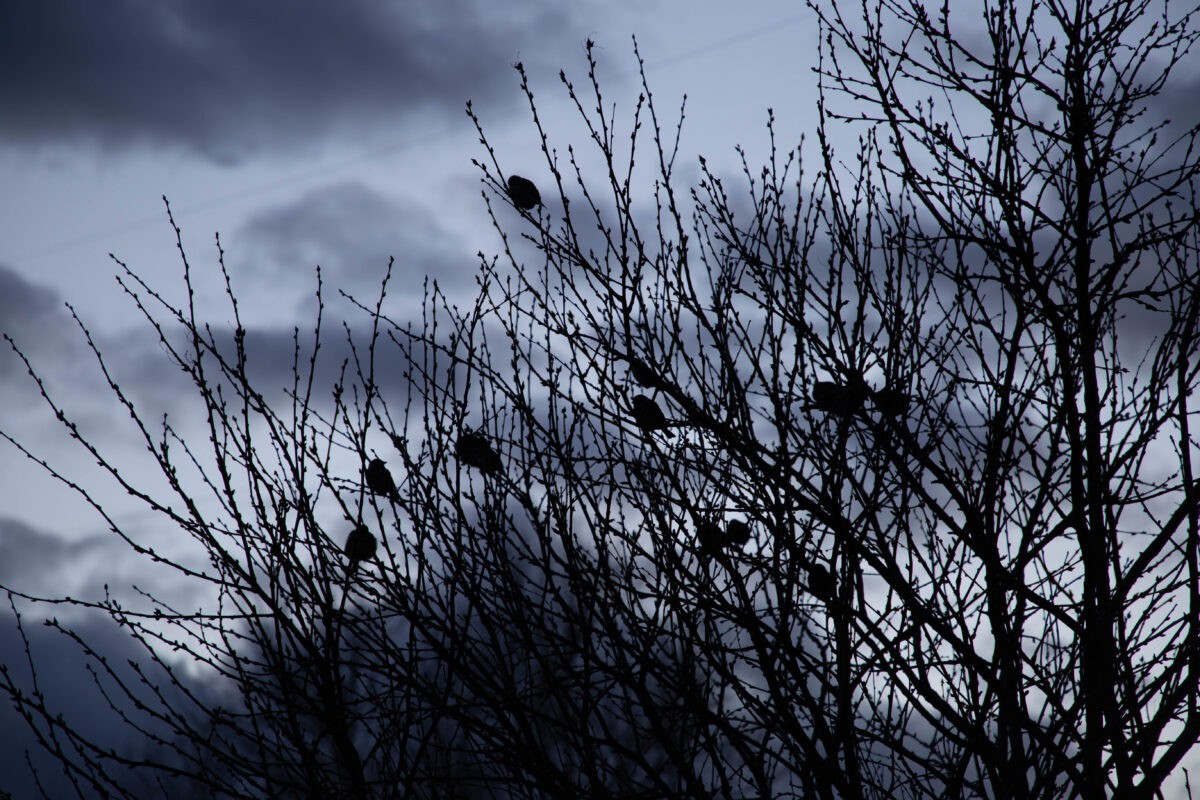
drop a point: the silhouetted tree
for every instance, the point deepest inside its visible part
(984, 584)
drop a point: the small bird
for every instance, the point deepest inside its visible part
(836, 398)
(360, 545)
(647, 414)
(710, 536)
(737, 532)
(713, 540)
(890, 402)
(821, 582)
(523, 193)
(642, 374)
(474, 450)
(379, 480)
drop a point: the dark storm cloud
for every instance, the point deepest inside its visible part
(228, 79)
(71, 690)
(157, 385)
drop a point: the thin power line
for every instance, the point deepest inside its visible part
(372, 154)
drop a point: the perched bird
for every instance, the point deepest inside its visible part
(710, 536)
(825, 395)
(821, 582)
(890, 402)
(474, 450)
(523, 193)
(379, 480)
(647, 414)
(360, 545)
(642, 374)
(837, 398)
(713, 540)
(737, 532)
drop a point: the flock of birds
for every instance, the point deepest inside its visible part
(474, 450)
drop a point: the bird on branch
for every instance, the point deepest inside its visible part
(523, 193)
(710, 536)
(737, 533)
(360, 545)
(821, 583)
(642, 374)
(647, 414)
(474, 450)
(713, 539)
(379, 479)
(890, 402)
(838, 398)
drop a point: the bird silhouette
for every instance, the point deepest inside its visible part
(647, 414)
(360, 545)
(821, 583)
(713, 539)
(710, 536)
(642, 374)
(890, 402)
(379, 480)
(837, 398)
(474, 450)
(523, 193)
(737, 532)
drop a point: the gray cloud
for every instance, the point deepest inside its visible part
(21, 301)
(227, 80)
(351, 230)
(34, 317)
(24, 550)
(38, 562)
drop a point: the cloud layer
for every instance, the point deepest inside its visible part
(230, 80)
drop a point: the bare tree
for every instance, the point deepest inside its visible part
(869, 482)
(1063, 225)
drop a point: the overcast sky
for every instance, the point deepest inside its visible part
(305, 133)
